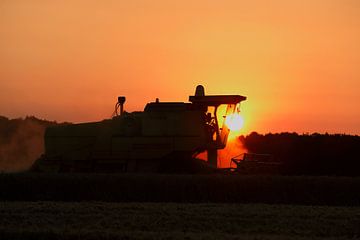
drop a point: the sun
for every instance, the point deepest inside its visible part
(234, 121)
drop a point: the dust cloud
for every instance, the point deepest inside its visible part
(21, 143)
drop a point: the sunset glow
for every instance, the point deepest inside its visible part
(296, 61)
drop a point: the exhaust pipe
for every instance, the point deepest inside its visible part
(121, 101)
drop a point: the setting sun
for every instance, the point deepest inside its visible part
(234, 121)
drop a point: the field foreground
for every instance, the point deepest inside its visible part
(133, 206)
(335, 191)
(99, 220)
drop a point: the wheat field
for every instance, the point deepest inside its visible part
(99, 220)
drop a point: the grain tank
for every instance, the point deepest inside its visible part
(162, 137)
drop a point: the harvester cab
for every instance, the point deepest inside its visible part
(217, 135)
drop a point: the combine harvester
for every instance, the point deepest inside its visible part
(165, 137)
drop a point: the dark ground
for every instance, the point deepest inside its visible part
(99, 220)
(103, 206)
(220, 188)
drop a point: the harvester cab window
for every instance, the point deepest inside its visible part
(223, 111)
(211, 123)
(215, 123)
(217, 107)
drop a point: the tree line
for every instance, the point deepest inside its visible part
(309, 154)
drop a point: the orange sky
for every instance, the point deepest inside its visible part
(298, 62)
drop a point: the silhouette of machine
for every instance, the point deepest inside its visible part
(255, 163)
(165, 136)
